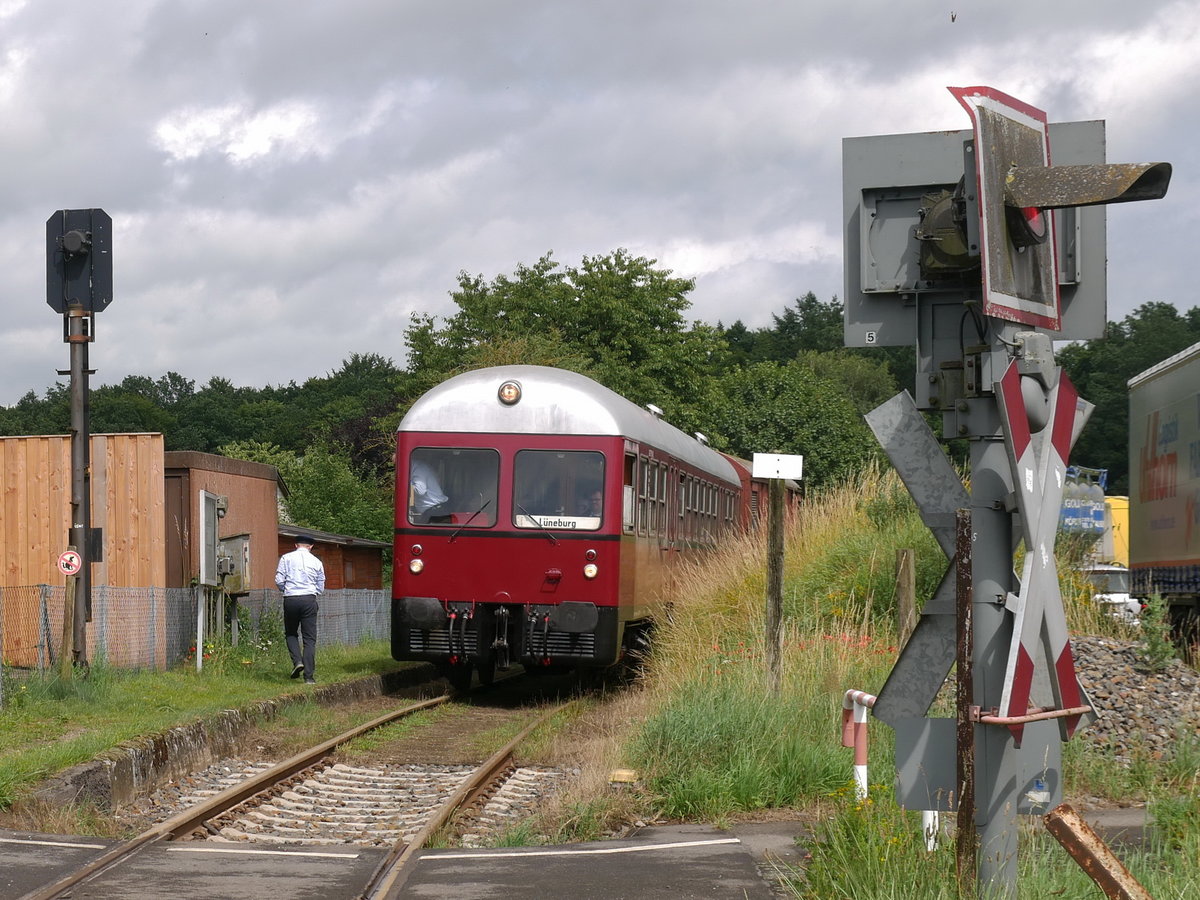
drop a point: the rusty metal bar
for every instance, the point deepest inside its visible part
(1093, 855)
(1034, 715)
(965, 840)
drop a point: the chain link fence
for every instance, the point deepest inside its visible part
(156, 628)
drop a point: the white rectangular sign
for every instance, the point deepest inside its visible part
(778, 465)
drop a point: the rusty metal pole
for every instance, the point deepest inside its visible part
(965, 843)
(1093, 855)
(77, 327)
(775, 586)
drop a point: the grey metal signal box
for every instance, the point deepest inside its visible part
(233, 564)
(887, 180)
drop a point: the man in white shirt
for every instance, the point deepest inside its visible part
(425, 493)
(300, 577)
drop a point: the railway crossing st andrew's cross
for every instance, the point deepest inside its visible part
(980, 248)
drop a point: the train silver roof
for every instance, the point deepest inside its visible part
(553, 401)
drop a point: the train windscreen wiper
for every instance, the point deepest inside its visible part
(470, 519)
(535, 521)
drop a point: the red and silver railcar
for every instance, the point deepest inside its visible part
(538, 515)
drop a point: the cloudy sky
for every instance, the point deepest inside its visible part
(289, 181)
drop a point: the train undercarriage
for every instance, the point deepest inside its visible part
(466, 637)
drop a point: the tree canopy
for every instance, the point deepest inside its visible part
(1101, 368)
(615, 318)
(618, 318)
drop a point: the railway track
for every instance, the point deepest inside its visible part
(305, 800)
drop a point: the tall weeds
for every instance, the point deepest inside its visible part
(712, 741)
(718, 742)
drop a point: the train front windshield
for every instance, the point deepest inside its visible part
(453, 486)
(558, 489)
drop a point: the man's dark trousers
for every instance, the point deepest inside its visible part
(300, 621)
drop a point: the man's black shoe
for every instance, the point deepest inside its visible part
(298, 671)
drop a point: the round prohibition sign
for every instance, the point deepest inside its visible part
(69, 562)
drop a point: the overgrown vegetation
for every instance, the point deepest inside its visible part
(1157, 647)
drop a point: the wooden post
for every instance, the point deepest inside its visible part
(775, 585)
(966, 841)
(906, 595)
(66, 656)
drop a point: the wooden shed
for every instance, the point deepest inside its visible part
(350, 562)
(127, 504)
(252, 492)
(35, 507)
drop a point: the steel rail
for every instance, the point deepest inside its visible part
(393, 871)
(189, 820)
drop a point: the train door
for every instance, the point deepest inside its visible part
(671, 508)
(629, 490)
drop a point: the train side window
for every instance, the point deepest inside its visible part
(628, 482)
(453, 486)
(663, 498)
(652, 497)
(643, 484)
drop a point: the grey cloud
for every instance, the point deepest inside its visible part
(473, 135)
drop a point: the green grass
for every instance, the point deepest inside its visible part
(49, 724)
(873, 850)
(723, 744)
(714, 743)
(394, 731)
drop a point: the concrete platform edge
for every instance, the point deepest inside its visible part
(139, 767)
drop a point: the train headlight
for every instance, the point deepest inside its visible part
(416, 565)
(509, 393)
(590, 570)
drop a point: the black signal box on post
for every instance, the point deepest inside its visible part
(79, 259)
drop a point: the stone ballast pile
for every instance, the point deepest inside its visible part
(1141, 713)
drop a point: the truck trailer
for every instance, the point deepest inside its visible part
(1164, 487)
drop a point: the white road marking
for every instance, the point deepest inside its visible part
(641, 848)
(211, 849)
